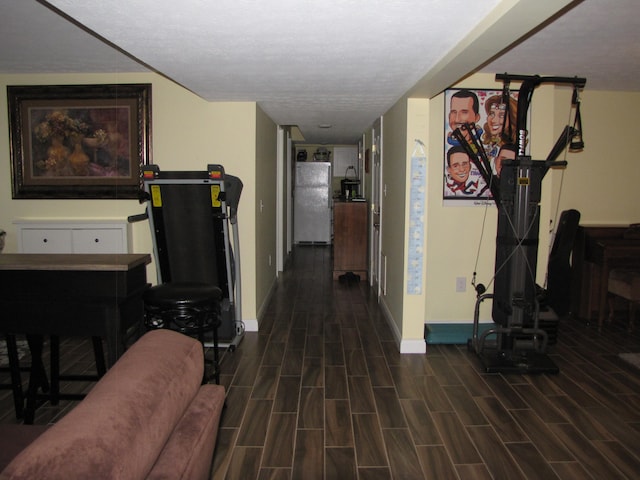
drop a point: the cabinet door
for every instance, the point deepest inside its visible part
(98, 240)
(350, 236)
(46, 241)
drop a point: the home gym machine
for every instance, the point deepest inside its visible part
(517, 343)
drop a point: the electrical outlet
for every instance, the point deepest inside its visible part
(461, 284)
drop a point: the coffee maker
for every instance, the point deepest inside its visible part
(350, 186)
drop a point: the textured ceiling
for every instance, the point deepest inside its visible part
(336, 62)
(597, 39)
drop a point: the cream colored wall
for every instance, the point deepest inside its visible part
(393, 198)
(187, 133)
(265, 210)
(232, 142)
(418, 122)
(602, 181)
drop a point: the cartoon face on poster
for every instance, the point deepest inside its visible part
(495, 130)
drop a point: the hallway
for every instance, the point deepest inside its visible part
(322, 392)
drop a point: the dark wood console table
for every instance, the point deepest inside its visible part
(597, 251)
(82, 295)
(73, 295)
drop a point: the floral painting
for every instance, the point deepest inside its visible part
(79, 142)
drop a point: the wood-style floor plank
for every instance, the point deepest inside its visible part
(403, 459)
(280, 440)
(338, 427)
(435, 462)
(369, 441)
(308, 459)
(341, 463)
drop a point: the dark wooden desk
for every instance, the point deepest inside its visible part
(598, 250)
(609, 254)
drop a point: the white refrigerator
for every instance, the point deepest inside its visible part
(312, 203)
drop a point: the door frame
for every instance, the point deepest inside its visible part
(375, 219)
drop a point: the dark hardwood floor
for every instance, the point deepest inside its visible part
(322, 392)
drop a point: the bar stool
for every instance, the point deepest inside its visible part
(50, 386)
(14, 370)
(624, 283)
(191, 308)
(37, 374)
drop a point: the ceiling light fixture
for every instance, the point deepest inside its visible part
(325, 125)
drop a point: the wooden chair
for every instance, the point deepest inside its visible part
(624, 283)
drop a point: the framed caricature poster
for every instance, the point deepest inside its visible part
(495, 130)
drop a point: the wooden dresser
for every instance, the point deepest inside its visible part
(350, 238)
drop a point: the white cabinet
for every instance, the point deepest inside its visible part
(343, 158)
(73, 236)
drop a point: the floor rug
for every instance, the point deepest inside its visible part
(631, 358)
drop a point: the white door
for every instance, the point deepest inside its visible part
(377, 282)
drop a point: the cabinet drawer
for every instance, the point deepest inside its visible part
(73, 237)
(98, 240)
(46, 241)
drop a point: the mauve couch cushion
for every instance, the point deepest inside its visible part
(193, 439)
(15, 438)
(120, 428)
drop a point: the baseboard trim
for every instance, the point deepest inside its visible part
(404, 345)
(250, 325)
(413, 346)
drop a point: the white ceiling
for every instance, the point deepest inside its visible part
(337, 62)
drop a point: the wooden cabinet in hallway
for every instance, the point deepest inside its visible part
(350, 238)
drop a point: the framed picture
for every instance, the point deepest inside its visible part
(79, 141)
(463, 184)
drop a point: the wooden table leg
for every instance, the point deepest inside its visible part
(16, 378)
(604, 290)
(37, 377)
